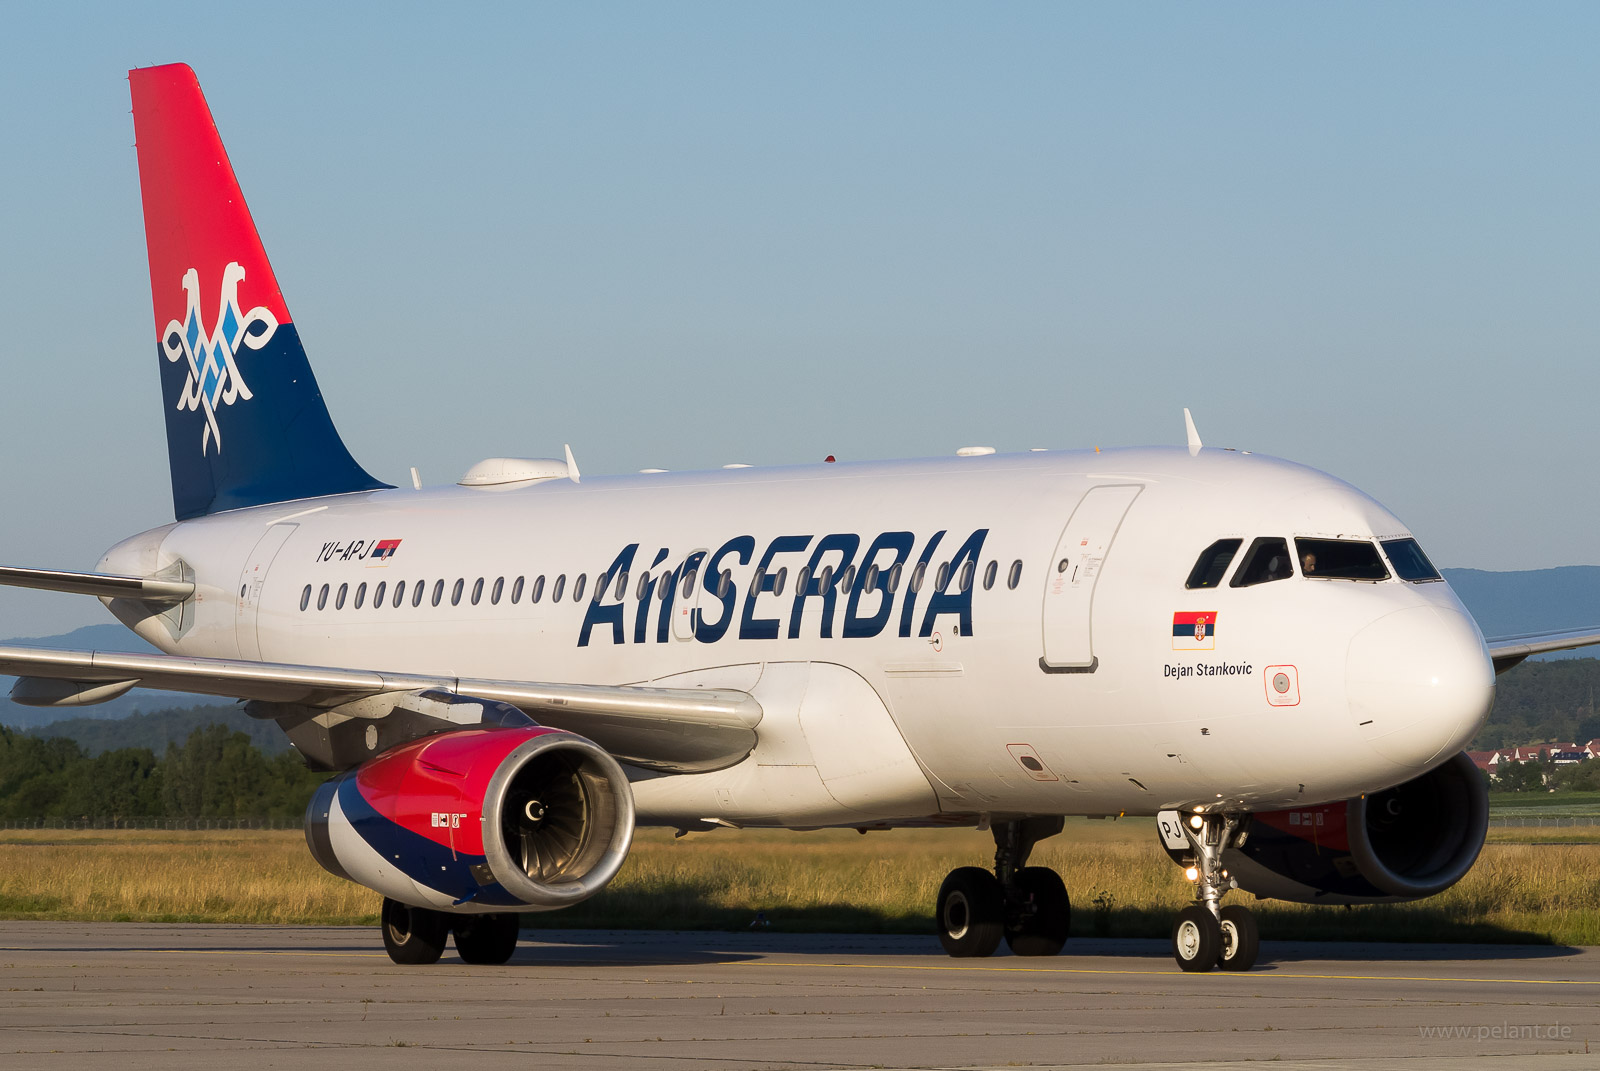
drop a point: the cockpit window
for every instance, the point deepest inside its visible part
(1340, 559)
(1212, 563)
(1409, 562)
(1265, 561)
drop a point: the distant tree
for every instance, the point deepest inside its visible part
(114, 784)
(1520, 777)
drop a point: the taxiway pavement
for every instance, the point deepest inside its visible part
(130, 997)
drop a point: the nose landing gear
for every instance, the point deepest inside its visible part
(1028, 906)
(1205, 934)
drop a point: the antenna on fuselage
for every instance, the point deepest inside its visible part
(1194, 436)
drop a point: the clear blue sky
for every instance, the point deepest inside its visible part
(1363, 236)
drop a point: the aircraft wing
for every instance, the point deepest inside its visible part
(1508, 651)
(675, 729)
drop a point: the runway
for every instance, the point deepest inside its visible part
(132, 997)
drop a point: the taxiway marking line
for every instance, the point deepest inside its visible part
(1171, 973)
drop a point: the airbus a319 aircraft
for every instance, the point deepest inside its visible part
(506, 675)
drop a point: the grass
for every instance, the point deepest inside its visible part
(1532, 885)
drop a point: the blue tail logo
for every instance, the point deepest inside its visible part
(214, 378)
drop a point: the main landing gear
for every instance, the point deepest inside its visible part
(1027, 905)
(416, 935)
(1206, 935)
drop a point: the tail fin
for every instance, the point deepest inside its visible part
(246, 424)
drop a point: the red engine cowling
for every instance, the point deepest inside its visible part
(1403, 843)
(478, 820)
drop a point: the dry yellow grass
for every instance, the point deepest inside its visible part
(828, 880)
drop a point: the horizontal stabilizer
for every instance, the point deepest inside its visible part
(1508, 651)
(144, 589)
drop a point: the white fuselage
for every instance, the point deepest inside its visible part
(1067, 693)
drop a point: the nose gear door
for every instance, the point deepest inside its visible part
(1073, 571)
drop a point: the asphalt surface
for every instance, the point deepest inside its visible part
(131, 997)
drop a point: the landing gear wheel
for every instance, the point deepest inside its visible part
(1241, 939)
(1196, 939)
(970, 913)
(1038, 920)
(413, 935)
(488, 939)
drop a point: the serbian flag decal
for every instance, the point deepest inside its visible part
(1194, 631)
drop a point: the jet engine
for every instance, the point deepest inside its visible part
(1406, 842)
(478, 820)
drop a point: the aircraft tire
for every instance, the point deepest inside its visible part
(1044, 931)
(1241, 938)
(413, 935)
(1196, 939)
(970, 912)
(487, 939)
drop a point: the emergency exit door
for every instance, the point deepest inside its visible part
(1073, 572)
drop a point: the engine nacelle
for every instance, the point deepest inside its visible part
(478, 820)
(1406, 842)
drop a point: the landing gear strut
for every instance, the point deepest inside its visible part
(1205, 934)
(1027, 905)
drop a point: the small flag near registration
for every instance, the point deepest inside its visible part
(1194, 631)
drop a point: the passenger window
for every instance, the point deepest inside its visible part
(644, 587)
(622, 586)
(399, 593)
(338, 600)
(825, 578)
(1340, 559)
(322, 598)
(894, 579)
(378, 594)
(783, 576)
(664, 585)
(688, 582)
(599, 588)
(917, 575)
(305, 597)
(802, 580)
(455, 592)
(558, 588)
(496, 591)
(989, 573)
(417, 591)
(1213, 563)
(477, 590)
(848, 580)
(538, 590)
(966, 576)
(1410, 564)
(942, 578)
(869, 583)
(361, 596)
(1014, 577)
(578, 586)
(1266, 560)
(438, 591)
(516, 591)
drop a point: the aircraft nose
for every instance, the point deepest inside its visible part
(1419, 683)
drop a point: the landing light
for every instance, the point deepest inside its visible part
(1195, 821)
(1193, 874)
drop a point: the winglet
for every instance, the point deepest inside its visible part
(1194, 436)
(572, 464)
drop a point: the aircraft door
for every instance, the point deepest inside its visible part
(251, 581)
(686, 600)
(1073, 571)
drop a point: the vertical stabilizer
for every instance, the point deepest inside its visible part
(246, 424)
